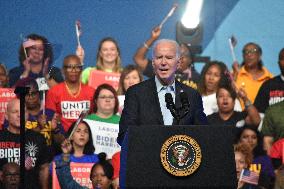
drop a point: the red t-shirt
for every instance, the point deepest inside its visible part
(277, 150)
(115, 160)
(67, 106)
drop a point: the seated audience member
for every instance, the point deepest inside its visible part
(10, 176)
(101, 172)
(130, 75)
(36, 174)
(4, 78)
(71, 97)
(185, 73)
(105, 105)
(252, 73)
(272, 90)
(213, 74)
(261, 162)
(36, 58)
(108, 58)
(273, 124)
(226, 115)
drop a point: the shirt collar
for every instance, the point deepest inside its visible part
(160, 86)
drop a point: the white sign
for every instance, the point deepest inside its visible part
(104, 137)
(42, 84)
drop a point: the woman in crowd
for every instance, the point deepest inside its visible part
(101, 172)
(130, 75)
(36, 58)
(243, 159)
(252, 73)
(108, 58)
(213, 74)
(83, 150)
(4, 79)
(105, 105)
(261, 162)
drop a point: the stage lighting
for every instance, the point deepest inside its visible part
(189, 30)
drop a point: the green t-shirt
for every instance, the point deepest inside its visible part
(113, 119)
(273, 122)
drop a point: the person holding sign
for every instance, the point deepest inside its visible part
(108, 59)
(36, 58)
(71, 97)
(101, 173)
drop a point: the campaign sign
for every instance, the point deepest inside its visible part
(104, 137)
(98, 77)
(42, 84)
(6, 94)
(79, 171)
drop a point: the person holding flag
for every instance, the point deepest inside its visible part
(36, 58)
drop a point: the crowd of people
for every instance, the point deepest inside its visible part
(247, 97)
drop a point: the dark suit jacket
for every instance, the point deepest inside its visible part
(142, 107)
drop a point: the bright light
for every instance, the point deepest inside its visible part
(190, 18)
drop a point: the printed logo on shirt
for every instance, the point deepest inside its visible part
(32, 150)
(72, 109)
(10, 151)
(276, 96)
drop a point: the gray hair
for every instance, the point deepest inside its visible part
(167, 41)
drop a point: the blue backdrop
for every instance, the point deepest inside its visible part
(130, 23)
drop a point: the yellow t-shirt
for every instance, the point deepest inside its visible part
(250, 85)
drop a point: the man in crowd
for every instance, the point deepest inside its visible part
(36, 150)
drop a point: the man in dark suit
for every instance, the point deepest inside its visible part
(144, 102)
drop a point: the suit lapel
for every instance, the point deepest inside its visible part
(154, 100)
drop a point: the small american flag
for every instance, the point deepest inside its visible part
(28, 43)
(28, 162)
(78, 28)
(233, 41)
(250, 177)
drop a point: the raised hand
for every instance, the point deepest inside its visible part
(156, 32)
(80, 53)
(66, 146)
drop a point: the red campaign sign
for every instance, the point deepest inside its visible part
(79, 171)
(98, 77)
(6, 94)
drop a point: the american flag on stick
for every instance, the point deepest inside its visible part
(78, 31)
(250, 177)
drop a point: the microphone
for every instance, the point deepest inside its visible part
(184, 103)
(170, 105)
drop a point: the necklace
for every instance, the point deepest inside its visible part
(74, 95)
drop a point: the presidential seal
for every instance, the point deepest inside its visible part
(181, 155)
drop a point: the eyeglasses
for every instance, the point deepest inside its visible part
(9, 175)
(106, 97)
(69, 68)
(32, 94)
(250, 51)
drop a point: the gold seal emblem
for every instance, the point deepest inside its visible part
(181, 155)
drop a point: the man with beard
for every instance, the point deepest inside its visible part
(271, 91)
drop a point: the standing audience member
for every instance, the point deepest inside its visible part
(252, 73)
(273, 125)
(130, 75)
(105, 105)
(36, 61)
(71, 97)
(272, 90)
(226, 115)
(10, 176)
(185, 73)
(277, 153)
(4, 78)
(36, 149)
(108, 58)
(213, 75)
(101, 172)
